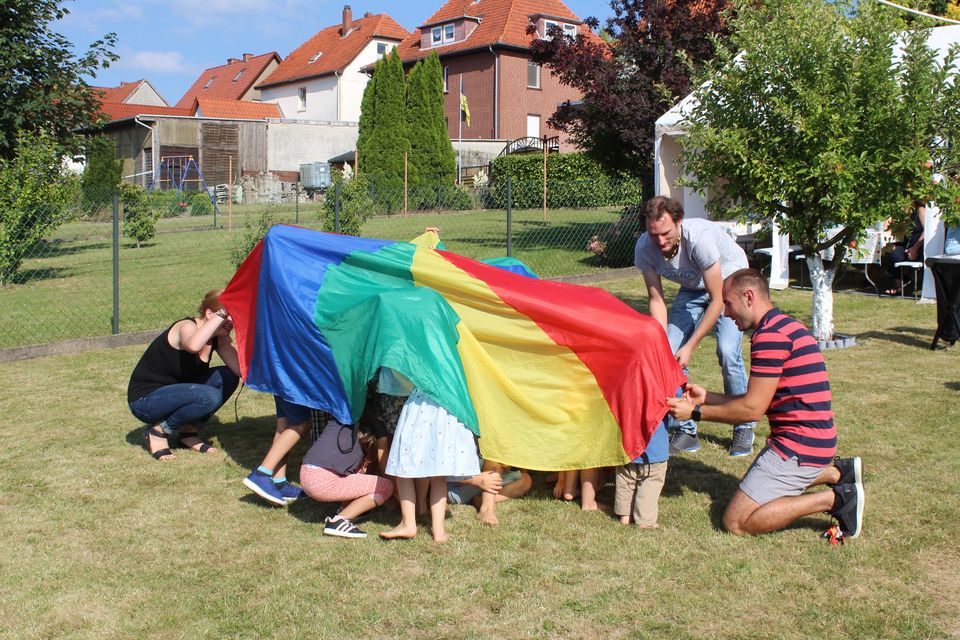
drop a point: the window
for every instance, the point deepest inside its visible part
(445, 70)
(209, 82)
(381, 48)
(568, 29)
(533, 126)
(442, 35)
(315, 57)
(239, 73)
(302, 99)
(533, 75)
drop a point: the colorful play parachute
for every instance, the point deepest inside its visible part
(549, 375)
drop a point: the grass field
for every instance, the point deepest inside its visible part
(99, 541)
(66, 288)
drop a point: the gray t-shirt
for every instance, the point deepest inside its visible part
(702, 244)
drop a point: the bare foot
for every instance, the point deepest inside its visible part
(624, 519)
(596, 506)
(440, 537)
(488, 517)
(568, 496)
(400, 532)
(648, 526)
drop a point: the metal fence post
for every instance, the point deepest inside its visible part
(297, 215)
(509, 216)
(336, 208)
(115, 322)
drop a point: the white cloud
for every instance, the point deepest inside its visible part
(153, 61)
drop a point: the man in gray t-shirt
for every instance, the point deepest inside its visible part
(696, 254)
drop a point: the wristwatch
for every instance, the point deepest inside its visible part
(695, 414)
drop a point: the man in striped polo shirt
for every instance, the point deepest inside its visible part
(789, 383)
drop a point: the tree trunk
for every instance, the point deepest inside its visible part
(821, 279)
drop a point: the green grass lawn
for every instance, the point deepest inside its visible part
(67, 283)
(99, 541)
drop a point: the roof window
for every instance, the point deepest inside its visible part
(315, 57)
(209, 82)
(239, 73)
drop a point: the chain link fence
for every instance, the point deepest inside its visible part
(127, 260)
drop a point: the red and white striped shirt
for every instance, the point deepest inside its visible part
(801, 414)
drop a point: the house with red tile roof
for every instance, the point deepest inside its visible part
(484, 48)
(322, 79)
(234, 109)
(235, 80)
(136, 92)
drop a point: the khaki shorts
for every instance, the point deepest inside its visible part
(638, 491)
(771, 477)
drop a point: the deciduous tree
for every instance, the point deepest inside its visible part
(823, 116)
(42, 81)
(631, 76)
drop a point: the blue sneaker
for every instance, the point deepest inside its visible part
(262, 485)
(290, 492)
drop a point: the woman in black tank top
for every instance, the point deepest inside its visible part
(173, 386)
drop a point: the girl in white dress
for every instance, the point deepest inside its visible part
(429, 443)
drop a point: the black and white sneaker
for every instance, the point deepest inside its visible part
(851, 470)
(342, 528)
(848, 508)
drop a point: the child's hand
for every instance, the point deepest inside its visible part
(490, 482)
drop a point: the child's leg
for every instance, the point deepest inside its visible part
(423, 487)
(625, 494)
(438, 507)
(408, 511)
(646, 505)
(589, 487)
(285, 438)
(571, 482)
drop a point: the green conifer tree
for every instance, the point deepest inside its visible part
(368, 119)
(418, 129)
(445, 165)
(388, 136)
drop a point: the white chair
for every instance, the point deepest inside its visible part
(908, 264)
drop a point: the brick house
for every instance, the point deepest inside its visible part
(322, 78)
(485, 45)
(235, 80)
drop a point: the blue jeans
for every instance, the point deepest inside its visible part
(685, 314)
(176, 405)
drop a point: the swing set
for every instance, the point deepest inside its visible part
(183, 174)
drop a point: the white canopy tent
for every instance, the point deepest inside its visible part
(668, 170)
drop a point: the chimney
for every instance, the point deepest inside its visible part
(367, 14)
(247, 56)
(347, 21)
(232, 60)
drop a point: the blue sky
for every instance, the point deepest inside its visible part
(169, 42)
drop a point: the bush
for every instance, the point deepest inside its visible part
(444, 197)
(573, 180)
(356, 205)
(34, 194)
(139, 218)
(614, 246)
(200, 204)
(101, 176)
(252, 234)
(166, 203)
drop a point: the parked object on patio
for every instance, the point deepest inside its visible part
(946, 278)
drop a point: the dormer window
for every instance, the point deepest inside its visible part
(315, 57)
(568, 29)
(444, 34)
(209, 82)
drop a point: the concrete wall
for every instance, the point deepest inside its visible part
(292, 143)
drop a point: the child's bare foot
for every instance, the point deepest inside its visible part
(648, 526)
(488, 516)
(624, 519)
(595, 506)
(440, 537)
(570, 495)
(400, 532)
